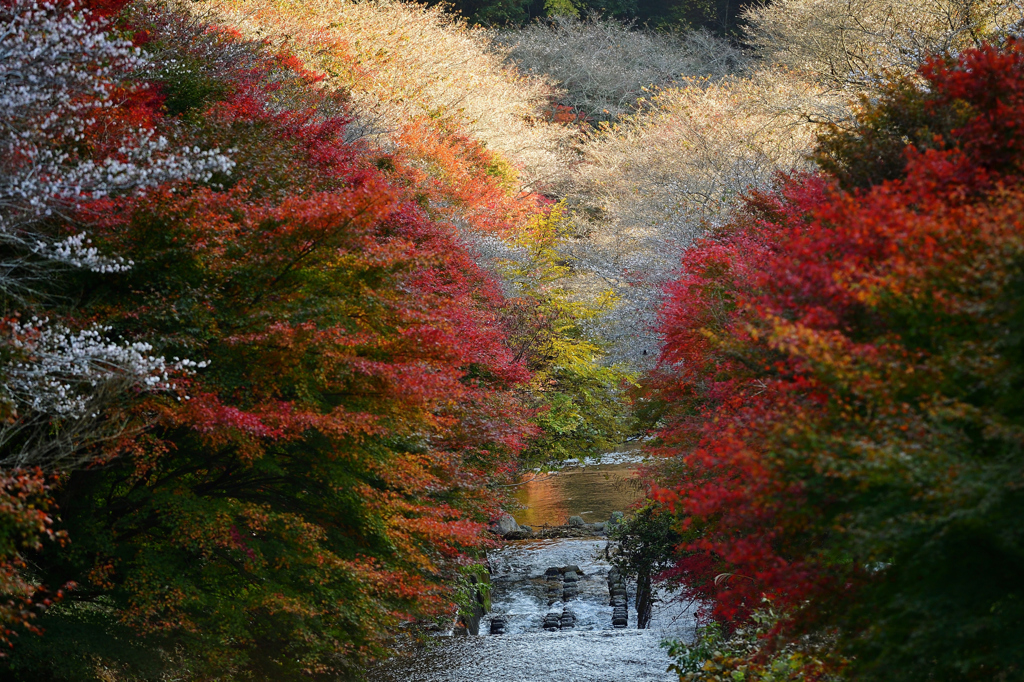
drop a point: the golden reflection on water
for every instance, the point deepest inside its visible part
(592, 492)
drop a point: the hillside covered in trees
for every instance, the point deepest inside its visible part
(294, 291)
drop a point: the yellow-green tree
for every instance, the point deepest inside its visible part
(580, 402)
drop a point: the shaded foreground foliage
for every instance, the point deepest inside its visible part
(721, 16)
(841, 390)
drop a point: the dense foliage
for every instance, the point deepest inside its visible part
(257, 387)
(606, 67)
(720, 16)
(580, 403)
(841, 382)
(748, 653)
(855, 45)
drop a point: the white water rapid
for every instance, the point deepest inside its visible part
(591, 650)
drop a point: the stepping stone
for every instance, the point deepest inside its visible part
(567, 621)
(552, 621)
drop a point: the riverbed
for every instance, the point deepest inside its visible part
(527, 579)
(592, 650)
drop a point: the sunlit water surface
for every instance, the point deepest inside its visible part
(592, 492)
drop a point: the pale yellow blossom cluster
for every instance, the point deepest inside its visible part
(660, 178)
(855, 44)
(400, 62)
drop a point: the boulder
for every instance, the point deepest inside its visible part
(576, 521)
(573, 568)
(497, 625)
(471, 622)
(506, 525)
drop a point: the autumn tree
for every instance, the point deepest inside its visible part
(60, 71)
(580, 398)
(841, 383)
(603, 67)
(321, 471)
(855, 45)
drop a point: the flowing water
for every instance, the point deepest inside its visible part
(591, 650)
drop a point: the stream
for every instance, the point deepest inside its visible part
(535, 585)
